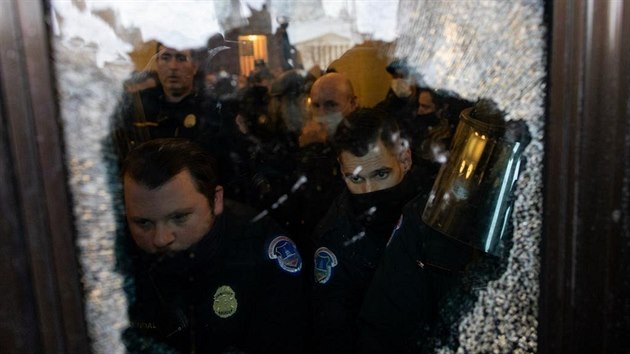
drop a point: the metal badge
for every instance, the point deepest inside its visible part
(225, 303)
(190, 121)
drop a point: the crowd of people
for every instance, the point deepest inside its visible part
(275, 214)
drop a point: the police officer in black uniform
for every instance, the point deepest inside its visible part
(176, 107)
(449, 243)
(350, 240)
(208, 277)
(420, 268)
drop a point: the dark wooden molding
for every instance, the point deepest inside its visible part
(585, 285)
(585, 264)
(41, 225)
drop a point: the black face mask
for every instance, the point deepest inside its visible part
(429, 119)
(378, 211)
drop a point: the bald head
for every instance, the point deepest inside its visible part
(333, 93)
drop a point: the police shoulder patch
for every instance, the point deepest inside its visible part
(391, 237)
(286, 254)
(325, 261)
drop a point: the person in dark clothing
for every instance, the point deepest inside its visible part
(331, 99)
(351, 238)
(206, 277)
(450, 243)
(176, 107)
(401, 100)
(288, 101)
(284, 48)
(264, 150)
(420, 268)
(430, 129)
(426, 118)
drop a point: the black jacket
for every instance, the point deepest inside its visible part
(147, 115)
(420, 268)
(198, 117)
(239, 290)
(349, 246)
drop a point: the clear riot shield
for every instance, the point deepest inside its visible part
(471, 199)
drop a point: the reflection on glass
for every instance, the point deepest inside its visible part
(252, 70)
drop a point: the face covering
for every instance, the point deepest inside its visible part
(401, 88)
(330, 121)
(429, 119)
(378, 211)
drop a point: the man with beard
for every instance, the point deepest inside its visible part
(206, 277)
(377, 168)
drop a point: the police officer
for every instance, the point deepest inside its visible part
(420, 268)
(449, 244)
(332, 98)
(176, 107)
(208, 278)
(350, 240)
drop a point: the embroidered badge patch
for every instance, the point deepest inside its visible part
(394, 231)
(225, 303)
(325, 261)
(284, 251)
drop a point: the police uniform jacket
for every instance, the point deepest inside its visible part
(420, 268)
(146, 115)
(198, 117)
(238, 290)
(349, 248)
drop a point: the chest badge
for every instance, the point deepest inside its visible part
(225, 303)
(190, 121)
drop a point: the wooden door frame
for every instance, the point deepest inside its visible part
(585, 262)
(585, 253)
(42, 301)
